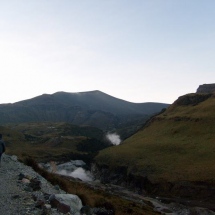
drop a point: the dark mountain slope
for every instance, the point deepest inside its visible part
(95, 100)
(87, 108)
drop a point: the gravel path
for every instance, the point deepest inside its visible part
(14, 198)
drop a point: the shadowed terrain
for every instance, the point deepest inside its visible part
(54, 141)
(93, 108)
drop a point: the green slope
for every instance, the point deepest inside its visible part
(53, 141)
(176, 145)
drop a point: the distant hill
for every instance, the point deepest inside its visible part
(92, 108)
(176, 146)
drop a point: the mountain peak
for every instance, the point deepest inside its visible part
(84, 92)
(93, 108)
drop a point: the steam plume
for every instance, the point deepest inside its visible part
(114, 138)
(78, 173)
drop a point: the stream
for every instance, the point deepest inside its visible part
(78, 169)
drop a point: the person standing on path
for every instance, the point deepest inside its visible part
(2, 147)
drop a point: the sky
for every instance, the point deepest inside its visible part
(135, 50)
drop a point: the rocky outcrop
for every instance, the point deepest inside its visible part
(66, 203)
(24, 191)
(206, 88)
(56, 201)
(191, 99)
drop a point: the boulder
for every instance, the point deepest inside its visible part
(66, 203)
(25, 181)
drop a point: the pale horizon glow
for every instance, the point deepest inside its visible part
(138, 51)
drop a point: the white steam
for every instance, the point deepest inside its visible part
(78, 173)
(114, 138)
(82, 174)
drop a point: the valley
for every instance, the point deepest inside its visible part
(165, 157)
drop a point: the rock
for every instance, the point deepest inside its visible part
(191, 99)
(14, 158)
(206, 88)
(34, 197)
(63, 208)
(25, 181)
(28, 177)
(40, 203)
(35, 184)
(46, 196)
(21, 176)
(66, 203)
(28, 189)
(46, 209)
(57, 187)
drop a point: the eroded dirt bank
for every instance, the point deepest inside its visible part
(190, 194)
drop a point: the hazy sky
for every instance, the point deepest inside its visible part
(136, 50)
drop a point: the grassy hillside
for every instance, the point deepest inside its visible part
(177, 145)
(53, 141)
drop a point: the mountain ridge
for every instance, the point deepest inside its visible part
(93, 108)
(83, 92)
(95, 94)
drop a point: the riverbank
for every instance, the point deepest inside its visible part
(19, 197)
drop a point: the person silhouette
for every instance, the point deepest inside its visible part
(2, 147)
